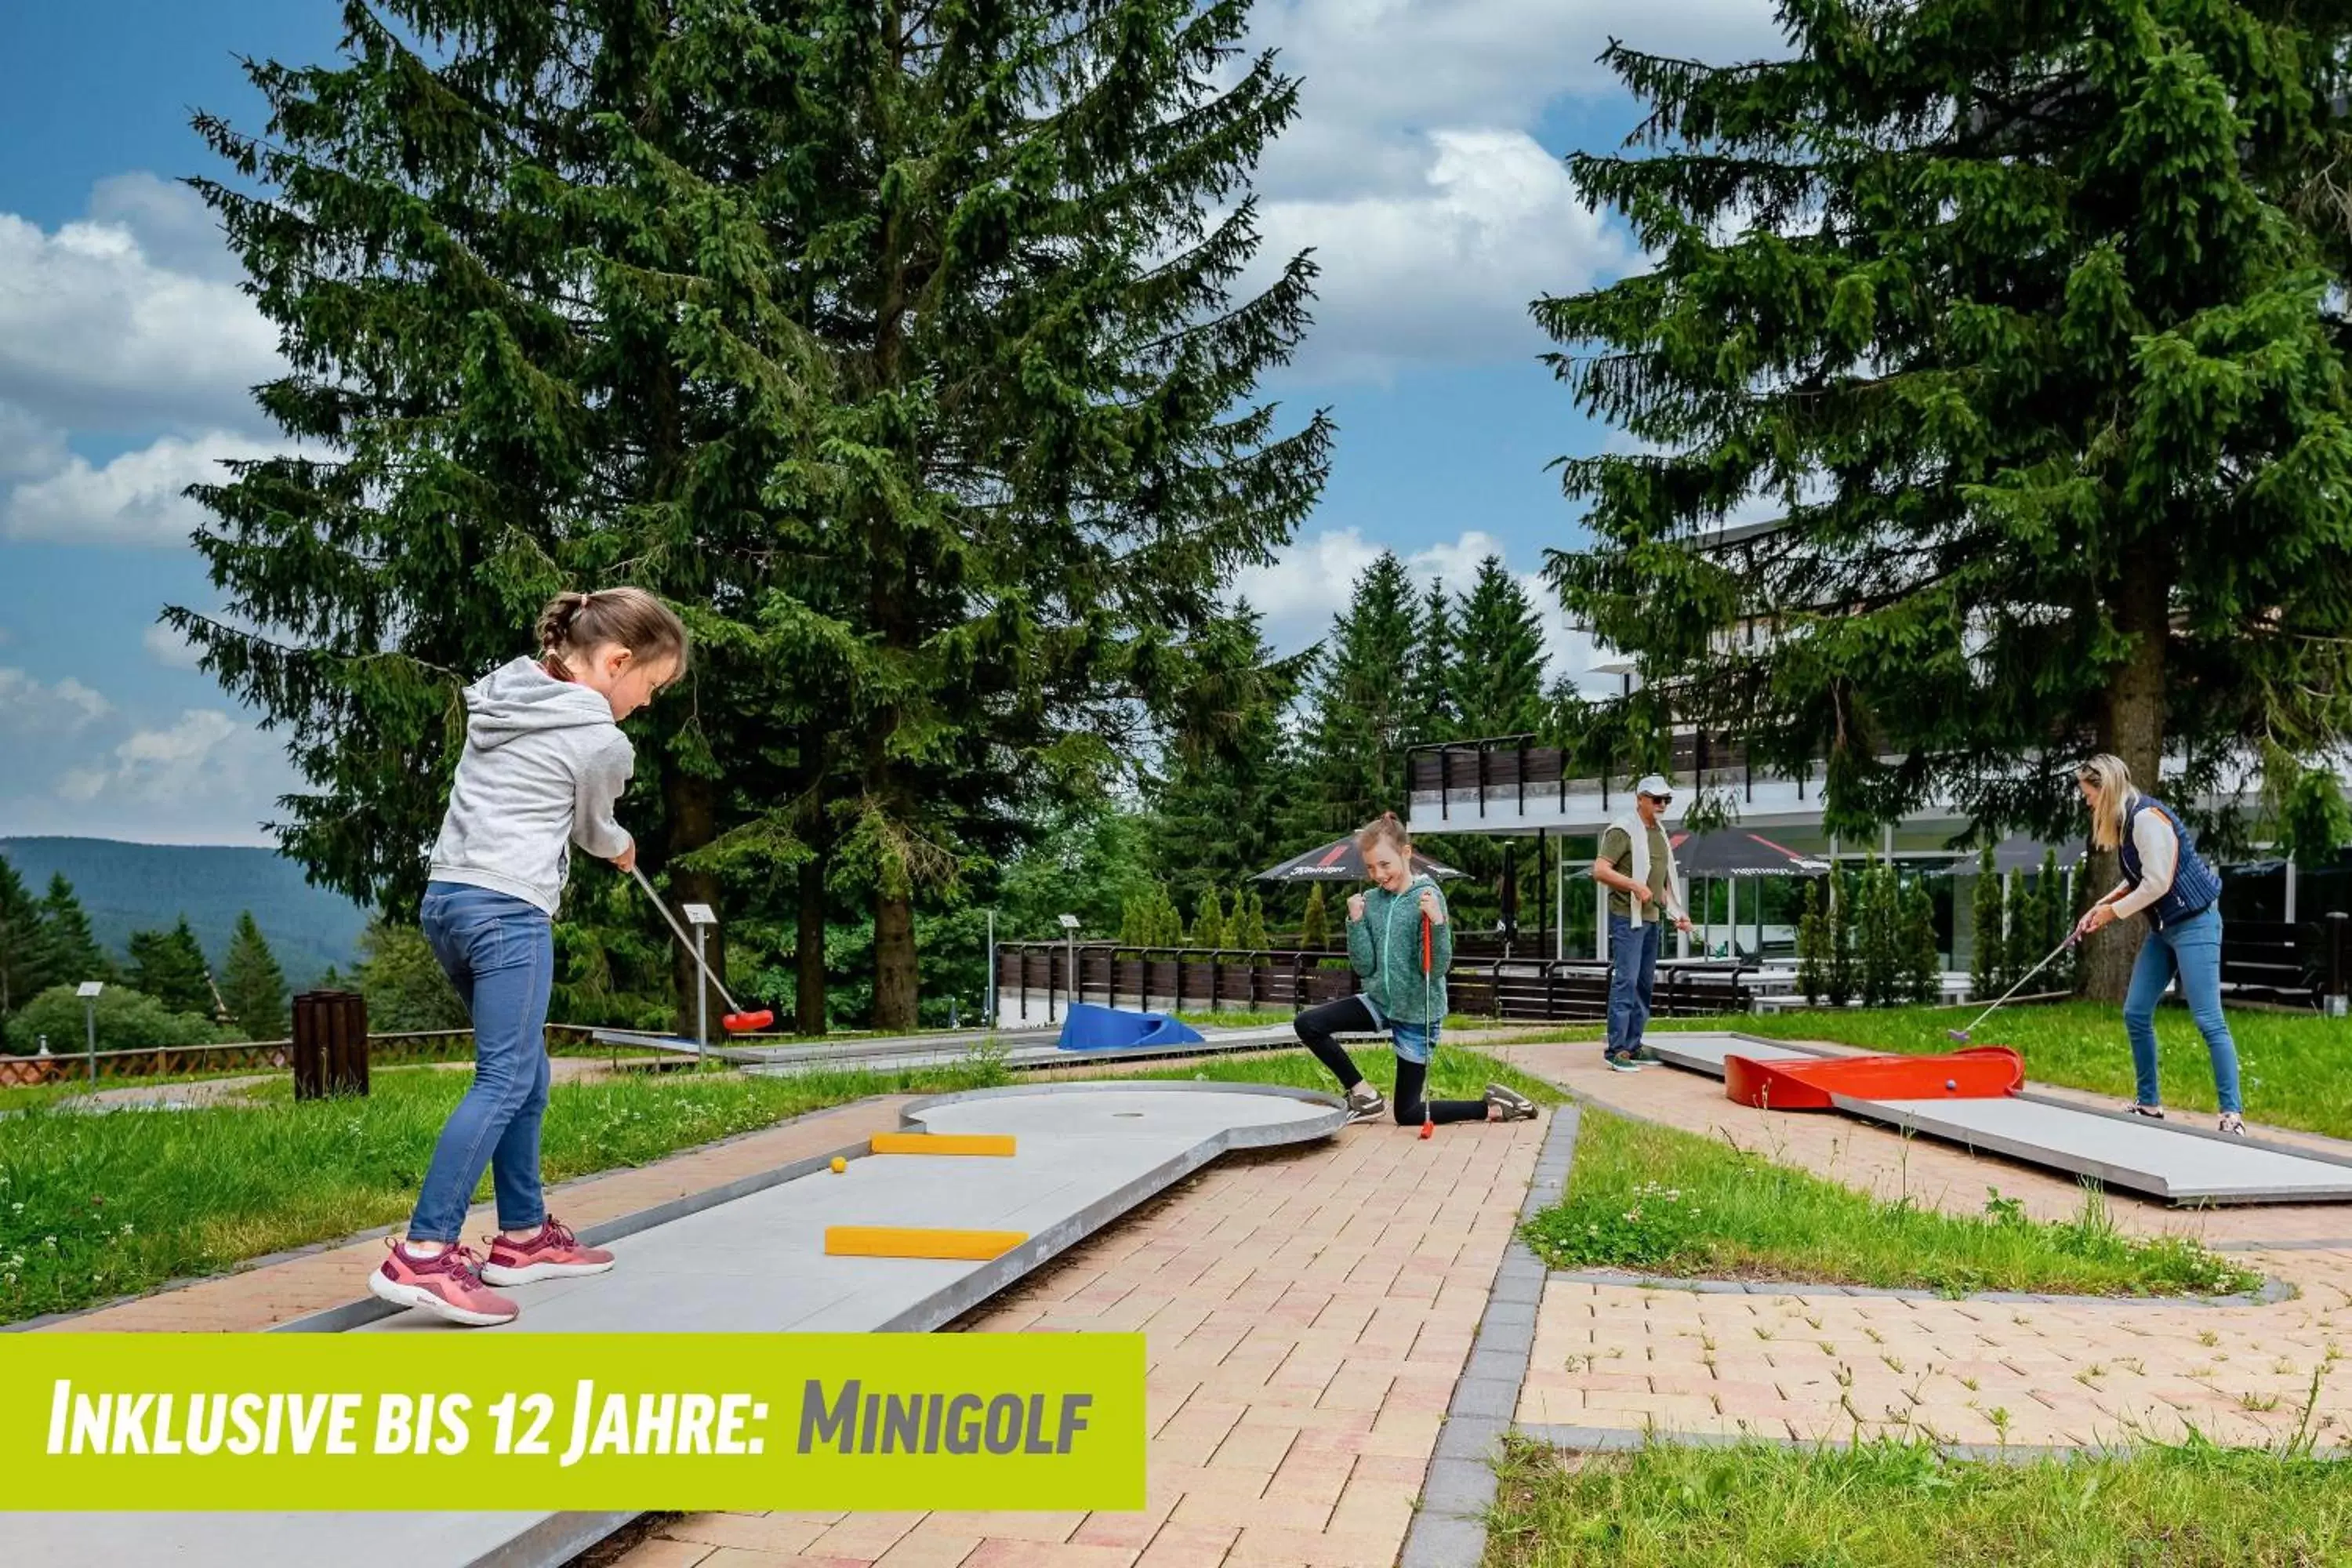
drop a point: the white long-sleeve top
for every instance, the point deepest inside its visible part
(2159, 861)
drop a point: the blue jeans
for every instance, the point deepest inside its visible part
(500, 953)
(1633, 975)
(2192, 949)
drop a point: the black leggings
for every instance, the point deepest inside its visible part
(1348, 1015)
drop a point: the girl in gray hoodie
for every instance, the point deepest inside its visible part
(544, 761)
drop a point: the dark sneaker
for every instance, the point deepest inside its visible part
(2153, 1112)
(1620, 1061)
(1366, 1103)
(1509, 1104)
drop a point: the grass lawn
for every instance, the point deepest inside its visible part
(92, 1207)
(1670, 1202)
(2297, 1068)
(1895, 1505)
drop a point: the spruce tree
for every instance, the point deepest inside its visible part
(1876, 940)
(2028, 325)
(27, 964)
(252, 985)
(1230, 776)
(1989, 961)
(1499, 672)
(73, 952)
(2017, 899)
(902, 353)
(1359, 713)
(1434, 683)
(169, 966)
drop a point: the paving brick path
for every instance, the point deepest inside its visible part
(1975, 1372)
(1307, 1312)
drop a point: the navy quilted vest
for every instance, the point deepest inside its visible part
(2195, 883)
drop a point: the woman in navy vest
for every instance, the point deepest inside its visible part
(2166, 879)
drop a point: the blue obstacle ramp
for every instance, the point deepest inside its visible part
(1088, 1027)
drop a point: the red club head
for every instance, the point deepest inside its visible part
(747, 1023)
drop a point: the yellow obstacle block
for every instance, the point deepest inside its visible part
(898, 1241)
(997, 1143)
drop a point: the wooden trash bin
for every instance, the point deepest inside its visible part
(331, 1043)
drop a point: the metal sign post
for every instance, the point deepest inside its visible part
(87, 990)
(701, 918)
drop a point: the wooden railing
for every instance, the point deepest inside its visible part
(1030, 975)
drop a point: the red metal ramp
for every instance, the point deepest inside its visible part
(1815, 1083)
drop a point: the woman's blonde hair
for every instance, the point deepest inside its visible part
(579, 624)
(1385, 828)
(2113, 780)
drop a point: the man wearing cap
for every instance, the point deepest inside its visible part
(1637, 865)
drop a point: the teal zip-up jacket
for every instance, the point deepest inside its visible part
(1385, 947)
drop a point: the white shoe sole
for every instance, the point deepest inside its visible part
(423, 1301)
(1358, 1115)
(496, 1274)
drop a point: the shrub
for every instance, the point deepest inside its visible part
(128, 1020)
(1813, 943)
(1208, 923)
(1315, 931)
(1986, 965)
(1922, 964)
(1842, 978)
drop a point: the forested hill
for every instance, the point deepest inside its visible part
(131, 887)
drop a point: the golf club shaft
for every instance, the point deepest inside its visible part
(2019, 986)
(684, 942)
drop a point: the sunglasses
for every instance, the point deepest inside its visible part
(1661, 799)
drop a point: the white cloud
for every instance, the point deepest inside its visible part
(174, 227)
(97, 332)
(134, 500)
(203, 751)
(1443, 274)
(27, 708)
(167, 647)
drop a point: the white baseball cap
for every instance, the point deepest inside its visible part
(1655, 787)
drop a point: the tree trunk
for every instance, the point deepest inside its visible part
(2132, 728)
(693, 822)
(895, 990)
(809, 950)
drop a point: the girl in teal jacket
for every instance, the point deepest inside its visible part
(1401, 943)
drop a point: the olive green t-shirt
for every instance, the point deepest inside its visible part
(1617, 848)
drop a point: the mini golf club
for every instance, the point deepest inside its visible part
(740, 1021)
(1962, 1034)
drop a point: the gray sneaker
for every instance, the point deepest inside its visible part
(2232, 1124)
(1366, 1103)
(1509, 1104)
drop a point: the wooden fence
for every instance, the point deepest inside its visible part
(1034, 975)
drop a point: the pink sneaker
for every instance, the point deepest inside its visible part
(448, 1285)
(553, 1254)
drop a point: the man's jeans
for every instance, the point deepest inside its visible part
(500, 953)
(1633, 975)
(2192, 949)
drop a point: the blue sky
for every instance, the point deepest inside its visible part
(1426, 170)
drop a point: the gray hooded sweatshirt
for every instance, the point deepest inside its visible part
(543, 765)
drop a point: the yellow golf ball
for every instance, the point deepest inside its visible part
(839, 1164)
